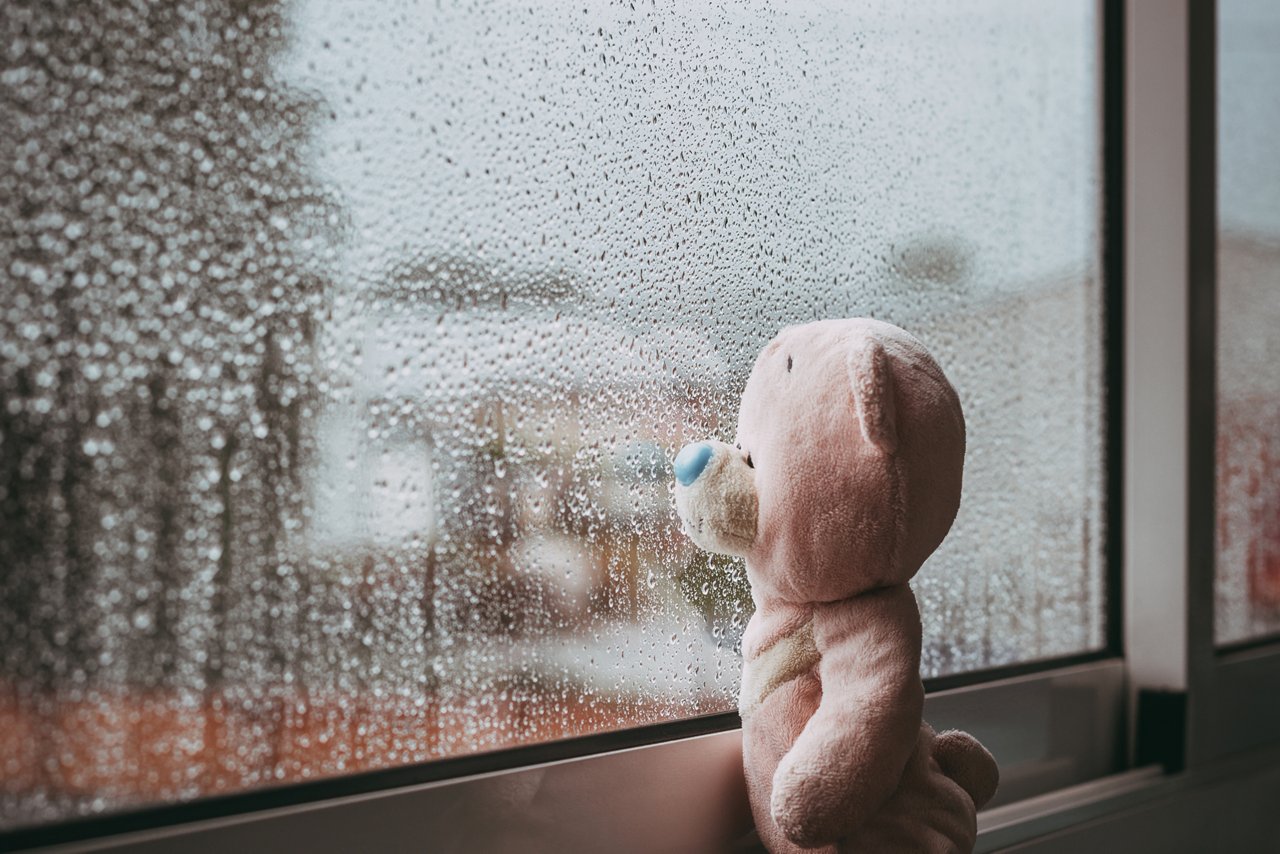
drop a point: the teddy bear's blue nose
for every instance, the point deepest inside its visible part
(690, 462)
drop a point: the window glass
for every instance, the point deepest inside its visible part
(344, 346)
(1248, 493)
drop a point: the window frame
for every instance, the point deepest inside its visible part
(1234, 688)
(1158, 705)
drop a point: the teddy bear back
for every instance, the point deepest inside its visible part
(857, 440)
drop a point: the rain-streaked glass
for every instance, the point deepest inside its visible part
(1248, 493)
(344, 346)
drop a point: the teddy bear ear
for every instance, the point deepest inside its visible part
(872, 382)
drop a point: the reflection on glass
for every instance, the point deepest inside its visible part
(1248, 494)
(343, 347)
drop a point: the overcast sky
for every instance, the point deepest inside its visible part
(1249, 115)
(694, 143)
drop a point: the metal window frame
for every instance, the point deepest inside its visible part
(1071, 734)
(1234, 697)
(1206, 703)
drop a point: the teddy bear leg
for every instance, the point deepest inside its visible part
(929, 812)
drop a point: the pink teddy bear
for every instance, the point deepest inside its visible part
(845, 477)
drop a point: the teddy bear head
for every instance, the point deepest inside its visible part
(845, 474)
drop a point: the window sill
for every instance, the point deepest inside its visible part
(1051, 730)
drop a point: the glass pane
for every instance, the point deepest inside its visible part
(345, 346)
(1248, 493)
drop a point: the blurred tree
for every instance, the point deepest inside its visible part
(457, 281)
(165, 255)
(932, 259)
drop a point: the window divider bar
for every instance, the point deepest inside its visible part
(1202, 275)
(1112, 76)
(1156, 347)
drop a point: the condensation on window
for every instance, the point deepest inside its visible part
(1247, 580)
(344, 348)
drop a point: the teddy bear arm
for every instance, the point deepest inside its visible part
(850, 756)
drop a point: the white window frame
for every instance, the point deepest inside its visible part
(1078, 743)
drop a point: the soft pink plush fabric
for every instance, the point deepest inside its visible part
(850, 451)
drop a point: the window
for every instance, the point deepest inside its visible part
(343, 349)
(1248, 562)
(344, 362)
